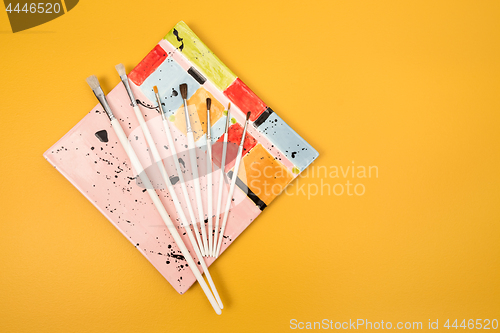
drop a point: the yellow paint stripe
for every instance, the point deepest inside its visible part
(200, 55)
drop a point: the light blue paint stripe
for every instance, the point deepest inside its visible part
(218, 129)
(292, 145)
(167, 77)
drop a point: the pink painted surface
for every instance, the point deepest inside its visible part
(102, 172)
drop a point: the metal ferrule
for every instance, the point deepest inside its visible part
(160, 108)
(244, 133)
(227, 122)
(129, 91)
(102, 99)
(188, 122)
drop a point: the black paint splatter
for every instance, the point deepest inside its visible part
(179, 39)
(174, 179)
(181, 161)
(178, 256)
(102, 135)
(148, 106)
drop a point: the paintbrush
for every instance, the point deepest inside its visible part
(221, 178)
(209, 179)
(179, 171)
(233, 185)
(194, 166)
(158, 160)
(122, 137)
(156, 156)
(186, 196)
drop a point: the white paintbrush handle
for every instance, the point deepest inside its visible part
(229, 199)
(221, 187)
(122, 137)
(183, 184)
(209, 197)
(163, 213)
(175, 199)
(190, 235)
(147, 135)
(197, 188)
(204, 266)
(157, 158)
(186, 226)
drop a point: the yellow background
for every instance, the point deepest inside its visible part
(409, 86)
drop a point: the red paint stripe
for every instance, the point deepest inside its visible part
(148, 65)
(245, 99)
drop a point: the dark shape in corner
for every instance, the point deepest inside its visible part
(21, 16)
(70, 4)
(102, 135)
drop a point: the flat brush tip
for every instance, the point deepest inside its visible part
(184, 90)
(248, 115)
(155, 88)
(209, 103)
(229, 106)
(93, 82)
(121, 69)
